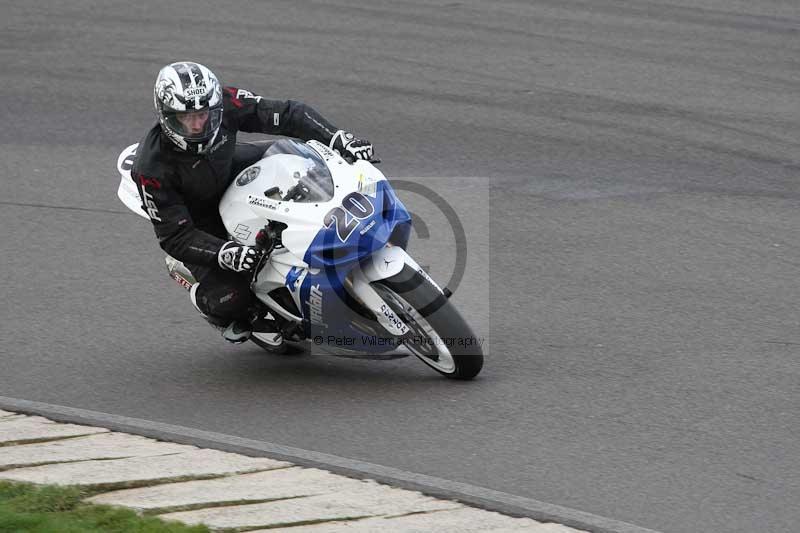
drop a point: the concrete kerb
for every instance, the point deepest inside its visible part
(441, 488)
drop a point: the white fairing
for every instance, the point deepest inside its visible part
(274, 274)
(127, 192)
(245, 209)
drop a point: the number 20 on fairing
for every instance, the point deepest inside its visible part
(355, 208)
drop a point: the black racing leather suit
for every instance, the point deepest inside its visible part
(181, 191)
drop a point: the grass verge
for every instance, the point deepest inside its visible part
(26, 508)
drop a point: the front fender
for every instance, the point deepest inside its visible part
(383, 264)
(388, 262)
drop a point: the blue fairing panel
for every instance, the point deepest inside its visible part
(351, 239)
(328, 318)
(336, 250)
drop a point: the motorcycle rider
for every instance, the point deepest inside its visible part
(186, 161)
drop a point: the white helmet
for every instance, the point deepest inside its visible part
(188, 100)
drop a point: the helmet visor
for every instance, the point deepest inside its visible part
(195, 125)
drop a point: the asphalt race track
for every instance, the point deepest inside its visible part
(628, 174)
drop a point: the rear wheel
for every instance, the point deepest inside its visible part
(438, 334)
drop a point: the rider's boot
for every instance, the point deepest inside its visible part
(264, 326)
(264, 329)
(267, 331)
(237, 331)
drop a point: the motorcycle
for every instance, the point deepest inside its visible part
(338, 274)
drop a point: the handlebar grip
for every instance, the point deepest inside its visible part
(352, 159)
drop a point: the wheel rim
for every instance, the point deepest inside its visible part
(432, 351)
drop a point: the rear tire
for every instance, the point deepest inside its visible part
(439, 336)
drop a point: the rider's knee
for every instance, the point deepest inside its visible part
(221, 302)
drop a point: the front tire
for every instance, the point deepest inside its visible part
(439, 336)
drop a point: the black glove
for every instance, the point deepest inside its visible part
(266, 239)
(350, 146)
(238, 257)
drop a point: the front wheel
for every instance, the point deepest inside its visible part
(438, 335)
